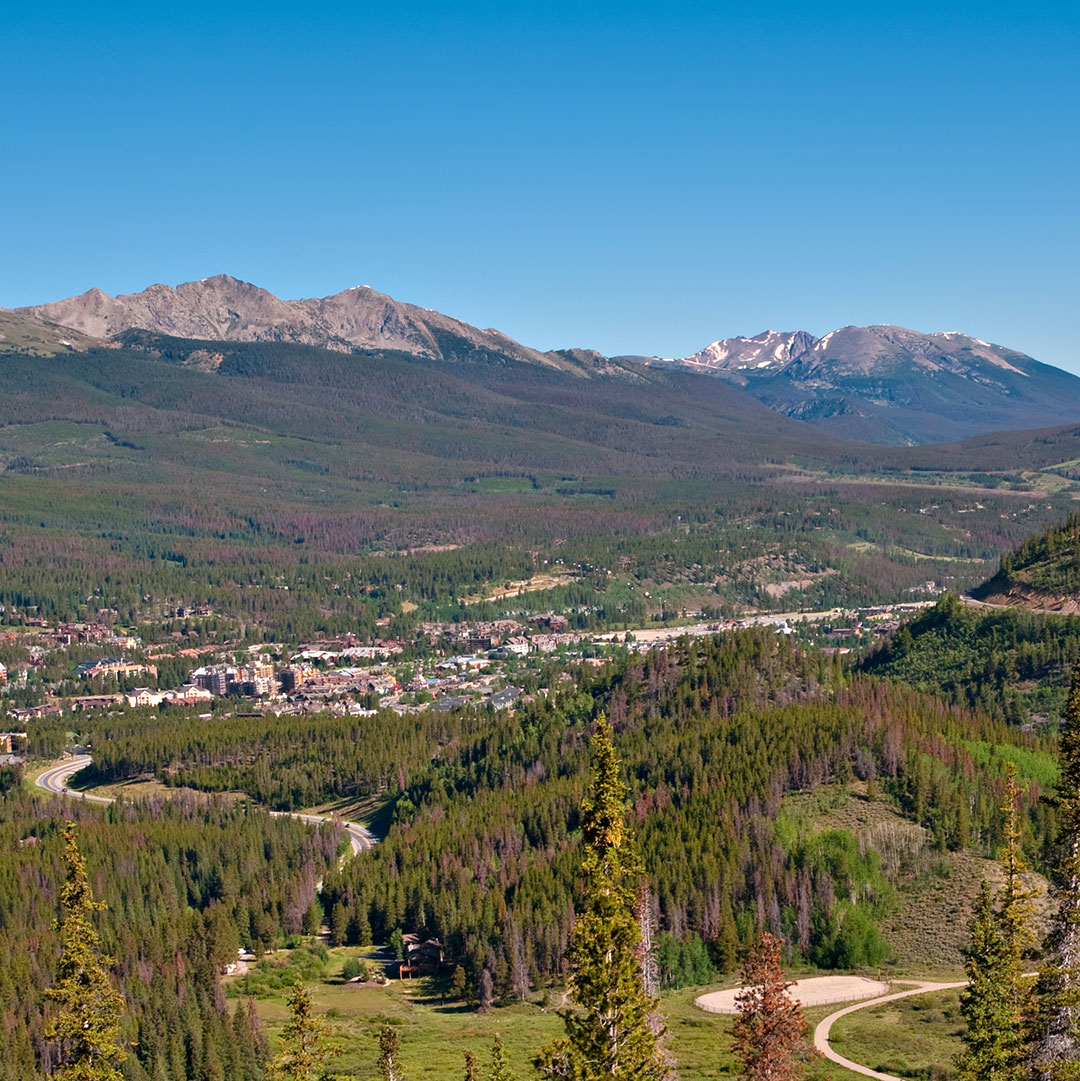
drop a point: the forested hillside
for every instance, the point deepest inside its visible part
(185, 883)
(482, 849)
(1043, 572)
(713, 734)
(1008, 649)
(296, 489)
(1010, 663)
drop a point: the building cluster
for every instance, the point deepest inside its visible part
(12, 746)
(66, 634)
(247, 680)
(113, 666)
(506, 635)
(451, 664)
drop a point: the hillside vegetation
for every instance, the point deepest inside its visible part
(714, 734)
(1011, 663)
(1043, 572)
(297, 489)
(185, 883)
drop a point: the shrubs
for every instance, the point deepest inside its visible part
(277, 974)
(361, 969)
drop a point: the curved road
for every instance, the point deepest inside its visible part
(55, 779)
(821, 1033)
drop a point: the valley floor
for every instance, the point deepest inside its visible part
(915, 1037)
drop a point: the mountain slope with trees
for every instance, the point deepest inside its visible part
(183, 885)
(180, 469)
(1043, 572)
(881, 384)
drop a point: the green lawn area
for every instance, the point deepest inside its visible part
(917, 1037)
(434, 1034)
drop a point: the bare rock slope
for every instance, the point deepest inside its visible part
(223, 308)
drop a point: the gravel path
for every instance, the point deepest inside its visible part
(821, 1033)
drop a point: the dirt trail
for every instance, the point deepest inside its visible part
(821, 1033)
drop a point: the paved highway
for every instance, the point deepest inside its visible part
(55, 779)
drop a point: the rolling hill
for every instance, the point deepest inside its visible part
(1011, 646)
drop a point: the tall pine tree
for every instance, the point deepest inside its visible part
(994, 1004)
(986, 1003)
(304, 1050)
(1055, 1046)
(388, 1054)
(1016, 913)
(609, 1036)
(86, 1024)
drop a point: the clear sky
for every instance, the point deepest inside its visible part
(635, 178)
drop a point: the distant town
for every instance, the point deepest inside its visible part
(445, 665)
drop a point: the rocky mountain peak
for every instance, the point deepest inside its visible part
(224, 308)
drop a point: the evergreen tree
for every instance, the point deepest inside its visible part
(499, 1069)
(994, 1004)
(303, 1041)
(388, 1054)
(770, 1031)
(339, 924)
(472, 1072)
(249, 1042)
(727, 940)
(397, 944)
(1016, 912)
(86, 1024)
(313, 917)
(1055, 1047)
(986, 1003)
(610, 1036)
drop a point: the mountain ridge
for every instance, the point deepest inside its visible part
(886, 383)
(877, 384)
(224, 308)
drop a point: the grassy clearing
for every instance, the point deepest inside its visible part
(548, 580)
(151, 789)
(434, 1033)
(130, 790)
(504, 485)
(938, 559)
(917, 1037)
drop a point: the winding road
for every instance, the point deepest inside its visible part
(55, 779)
(821, 1033)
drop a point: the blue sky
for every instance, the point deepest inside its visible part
(630, 177)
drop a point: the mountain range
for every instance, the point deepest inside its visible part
(890, 384)
(877, 384)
